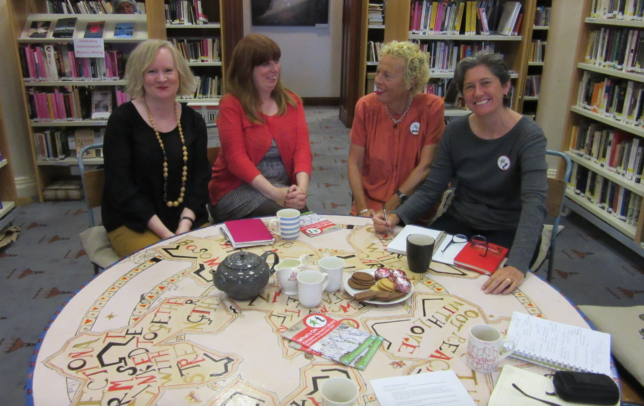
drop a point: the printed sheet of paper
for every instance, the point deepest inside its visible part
(442, 388)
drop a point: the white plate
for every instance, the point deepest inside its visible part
(353, 291)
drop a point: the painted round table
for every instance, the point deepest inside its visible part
(153, 330)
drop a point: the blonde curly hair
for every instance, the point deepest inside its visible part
(415, 67)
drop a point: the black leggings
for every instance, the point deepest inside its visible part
(504, 238)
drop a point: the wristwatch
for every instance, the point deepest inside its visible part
(401, 196)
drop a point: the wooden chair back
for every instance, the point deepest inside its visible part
(556, 193)
(94, 182)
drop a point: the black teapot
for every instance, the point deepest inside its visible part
(242, 275)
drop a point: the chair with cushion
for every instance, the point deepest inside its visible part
(554, 204)
(94, 240)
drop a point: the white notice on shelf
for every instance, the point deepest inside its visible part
(422, 389)
(89, 48)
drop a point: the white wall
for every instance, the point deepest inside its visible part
(311, 57)
(14, 113)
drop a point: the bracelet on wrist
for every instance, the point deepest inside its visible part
(186, 218)
(363, 211)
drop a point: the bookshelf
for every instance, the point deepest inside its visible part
(536, 57)
(99, 74)
(604, 128)
(8, 195)
(397, 17)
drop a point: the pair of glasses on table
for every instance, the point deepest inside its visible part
(477, 241)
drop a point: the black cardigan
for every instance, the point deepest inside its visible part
(134, 170)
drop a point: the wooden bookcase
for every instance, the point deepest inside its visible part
(536, 58)
(8, 195)
(586, 204)
(397, 15)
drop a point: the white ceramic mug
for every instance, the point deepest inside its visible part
(287, 224)
(332, 266)
(339, 392)
(310, 285)
(486, 347)
(286, 272)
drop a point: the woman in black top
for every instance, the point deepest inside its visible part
(156, 165)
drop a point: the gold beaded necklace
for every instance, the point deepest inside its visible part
(184, 175)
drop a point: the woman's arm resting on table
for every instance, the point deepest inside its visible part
(278, 195)
(504, 280)
(156, 225)
(355, 166)
(416, 177)
(185, 224)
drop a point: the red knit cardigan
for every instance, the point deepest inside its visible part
(244, 144)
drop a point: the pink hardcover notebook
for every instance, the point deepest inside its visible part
(249, 231)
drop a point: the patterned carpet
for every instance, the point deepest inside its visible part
(46, 265)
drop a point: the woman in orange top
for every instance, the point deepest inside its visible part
(395, 132)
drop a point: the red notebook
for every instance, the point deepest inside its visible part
(247, 233)
(471, 257)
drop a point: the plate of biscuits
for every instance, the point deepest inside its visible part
(380, 287)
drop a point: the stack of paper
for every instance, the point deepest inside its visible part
(247, 233)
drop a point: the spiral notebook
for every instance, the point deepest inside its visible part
(559, 346)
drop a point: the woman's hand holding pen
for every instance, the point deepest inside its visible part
(383, 226)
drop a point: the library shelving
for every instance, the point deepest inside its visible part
(403, 20)
(61, 90)
(536, 57)
(198, 35)
(604, 129)
(8, 196)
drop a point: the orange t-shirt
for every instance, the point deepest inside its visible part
(391, 154)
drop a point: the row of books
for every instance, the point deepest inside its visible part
(54, 145)
(618, 99)
(465, 17)
(79, 7)
(620, 10)
(65, 28)
(442, 56)
(616, 151)
(373, 51)
(58, 62)
(73, 103)
(616, 48)
(532, 85)
(537, 51)
(208, 87)
(376, 14)
(606, 195)
(208, 112)
(542, 16)
(185, 12)
(199, 50)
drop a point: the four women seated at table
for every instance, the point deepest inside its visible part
(158, 177)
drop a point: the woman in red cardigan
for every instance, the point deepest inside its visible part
(265, 159)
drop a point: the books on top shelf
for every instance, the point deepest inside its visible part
(542, 16)
(65, 28)
(39, 29)
(95, 29)
(616, 48)
(247, 233)
(123, 30)
(185, 12)
(559, 346)
(329, 338)
(465, 17)
(79, 7)
(376, 14)
(629, 10)
(606, 195)
(482, 258)
(54, 62)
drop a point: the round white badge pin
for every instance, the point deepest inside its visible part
(415, 128)
(503, 162)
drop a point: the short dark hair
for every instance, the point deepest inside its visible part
(494, 62)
